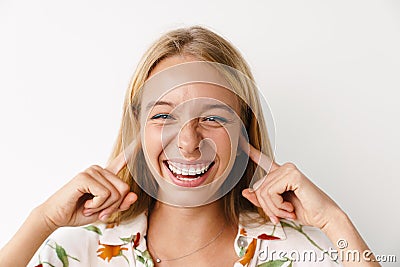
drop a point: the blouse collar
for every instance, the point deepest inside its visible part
(249, 230)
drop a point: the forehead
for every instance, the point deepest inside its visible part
(173, 81)
(207, 93)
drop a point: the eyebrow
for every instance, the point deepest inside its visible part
(210, 106)
(221, 106)
(159, 103)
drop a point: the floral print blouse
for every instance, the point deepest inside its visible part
(110, 245)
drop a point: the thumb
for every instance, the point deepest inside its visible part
(251, 196)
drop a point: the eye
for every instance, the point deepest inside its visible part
(161, 116)
(215, 119)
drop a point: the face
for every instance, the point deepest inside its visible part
(190, 134)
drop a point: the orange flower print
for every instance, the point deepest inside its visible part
(243, 232)
(107, 252)
(111, 225)
(251, 249)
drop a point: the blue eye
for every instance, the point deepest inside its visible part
(161, 116)
(216, 119)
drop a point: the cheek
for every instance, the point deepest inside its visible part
(223, 143)
(152, 142)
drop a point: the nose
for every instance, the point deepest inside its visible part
(189, 139)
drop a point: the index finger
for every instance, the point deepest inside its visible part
(119, 162)
(265, 162)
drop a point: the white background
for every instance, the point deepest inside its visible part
(329, 69)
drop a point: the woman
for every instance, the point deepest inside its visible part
(167, 196)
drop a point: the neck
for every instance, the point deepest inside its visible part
(194, 221)
(187, 229)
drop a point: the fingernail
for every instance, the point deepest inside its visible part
(104, 217)
(87, 213)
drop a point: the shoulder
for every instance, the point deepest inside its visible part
(287, 243)
(67, 245)
(95, 244)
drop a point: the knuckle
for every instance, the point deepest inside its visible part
(84, 175)
(290, 166)
(96, 167)
(114, 195)
(125, 188)
(90, 171)
(270, 191)
(293, 170)
(106, 193)
(297, 177)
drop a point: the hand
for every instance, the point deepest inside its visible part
(93, 194)
(285, 192)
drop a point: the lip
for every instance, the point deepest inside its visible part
(193, 183)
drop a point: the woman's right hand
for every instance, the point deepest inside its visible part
(93, 194)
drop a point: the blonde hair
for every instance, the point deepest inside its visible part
(204, 45)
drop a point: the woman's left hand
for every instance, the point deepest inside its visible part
(285, 192)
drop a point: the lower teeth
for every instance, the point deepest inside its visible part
(187, 179)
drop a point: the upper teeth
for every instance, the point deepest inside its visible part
(185, 169)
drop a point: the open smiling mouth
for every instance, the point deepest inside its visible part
(188, 175)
